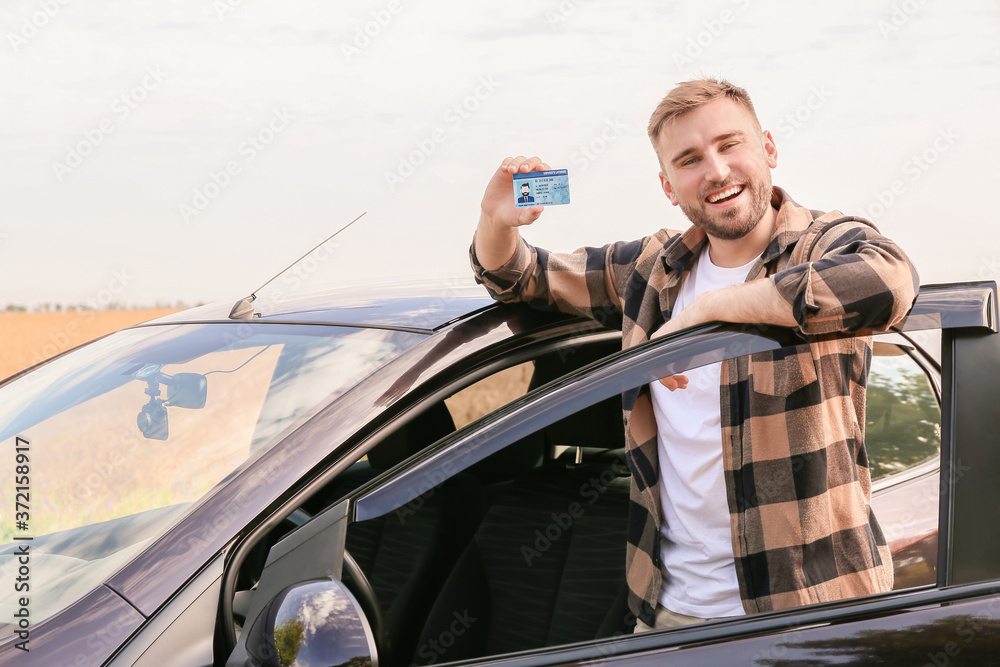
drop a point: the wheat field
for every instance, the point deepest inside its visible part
(29, 338)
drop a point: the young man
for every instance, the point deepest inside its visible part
(750, 485)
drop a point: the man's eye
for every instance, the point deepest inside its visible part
(730, 145)
(689, 161)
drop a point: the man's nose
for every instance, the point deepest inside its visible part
(716, 168)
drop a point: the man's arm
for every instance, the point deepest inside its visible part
(855, 279)
(497, 237)
(756, 302)
(589, 282)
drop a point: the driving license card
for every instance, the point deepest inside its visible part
(541, 188)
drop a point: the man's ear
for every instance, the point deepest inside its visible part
(770, 150)
(668, 189)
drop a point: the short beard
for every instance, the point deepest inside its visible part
(733, 225)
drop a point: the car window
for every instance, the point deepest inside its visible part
(903, 423)
(124, 434)
(488, 394)
(150, 418)
(903, 439)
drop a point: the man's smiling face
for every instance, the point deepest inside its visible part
(716, 166)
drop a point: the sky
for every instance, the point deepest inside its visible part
(188, 150)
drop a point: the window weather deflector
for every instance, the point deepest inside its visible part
(953, 306)
(242, 310)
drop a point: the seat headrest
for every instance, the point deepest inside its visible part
(516, 458)
(598, 426)
(427, 427)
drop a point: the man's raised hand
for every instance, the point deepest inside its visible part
(497, 237)
(498, 200)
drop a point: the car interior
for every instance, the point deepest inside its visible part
(524, 549)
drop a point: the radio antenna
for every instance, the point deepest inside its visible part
(242, 310)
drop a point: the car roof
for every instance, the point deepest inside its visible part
(411, 305)
(431, 305)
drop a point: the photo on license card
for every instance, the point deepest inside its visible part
(541, 188)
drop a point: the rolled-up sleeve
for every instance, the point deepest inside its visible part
(855, 279)
(506, 283)
(589, 282)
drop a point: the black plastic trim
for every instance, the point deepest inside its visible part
(946, 490)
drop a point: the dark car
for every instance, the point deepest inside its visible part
(420, 476)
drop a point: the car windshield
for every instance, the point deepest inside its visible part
(103, 448)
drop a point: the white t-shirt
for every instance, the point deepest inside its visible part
(696, 545)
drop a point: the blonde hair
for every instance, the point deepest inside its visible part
(690, 95)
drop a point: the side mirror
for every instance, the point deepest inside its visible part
(187, 390)
(315, 623)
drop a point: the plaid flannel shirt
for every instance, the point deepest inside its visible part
(793, 420)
